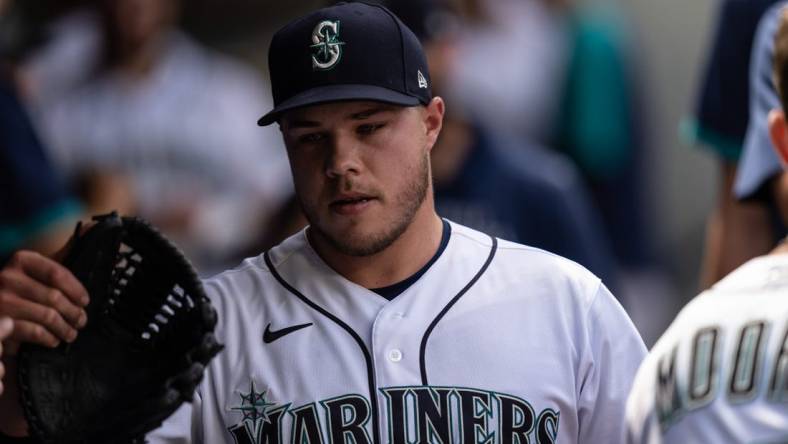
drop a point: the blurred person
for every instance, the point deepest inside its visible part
(559, 74)
(720, 372)
(598, 124)
(36, 210)
(736, 231)
(501, 184)
(161, 113)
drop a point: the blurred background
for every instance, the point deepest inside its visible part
(150, 107)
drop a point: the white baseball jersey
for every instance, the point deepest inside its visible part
(719, 374)
(495, 343)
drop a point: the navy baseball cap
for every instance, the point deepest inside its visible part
(349, 51)
(759, 162)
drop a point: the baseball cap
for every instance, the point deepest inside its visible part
(759, 162)
(349, 51)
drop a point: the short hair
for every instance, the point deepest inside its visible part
(780, 66)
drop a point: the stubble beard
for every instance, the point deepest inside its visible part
(408, 202)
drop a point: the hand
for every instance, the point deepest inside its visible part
(6, 326)
(46, 303)
(43, 298)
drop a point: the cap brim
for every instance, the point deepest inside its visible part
(338, 93)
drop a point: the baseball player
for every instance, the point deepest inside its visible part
(382, 322)
(720, 371)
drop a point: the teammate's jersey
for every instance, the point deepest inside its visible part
(719, 374)
(496, 343)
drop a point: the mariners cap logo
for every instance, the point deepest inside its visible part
(326, 46)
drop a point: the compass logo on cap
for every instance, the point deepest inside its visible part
(326, 47)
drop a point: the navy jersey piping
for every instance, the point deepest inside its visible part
(425, 338)
(367, 357)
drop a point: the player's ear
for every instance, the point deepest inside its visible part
(778, 131)
(433, 120)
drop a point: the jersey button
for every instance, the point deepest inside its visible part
(395, 355)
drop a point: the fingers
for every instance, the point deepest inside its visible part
(25, 287)
(35, 322)
(44, 297)
(26, 331)
(45, 300)
(6, 326)
(51, 274)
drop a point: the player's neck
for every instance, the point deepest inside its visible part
(781, 248)
(404, 257)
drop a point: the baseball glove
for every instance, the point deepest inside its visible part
(143, 351)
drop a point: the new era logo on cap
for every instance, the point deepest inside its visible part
(349, 51)
(422, 80)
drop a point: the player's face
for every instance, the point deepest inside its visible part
(361, 169)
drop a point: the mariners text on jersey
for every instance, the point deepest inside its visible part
(494, 343)
(414, 414)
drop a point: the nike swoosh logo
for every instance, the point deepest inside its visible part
(270, 336)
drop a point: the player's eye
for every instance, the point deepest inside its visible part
(369, 128)
(311, 138)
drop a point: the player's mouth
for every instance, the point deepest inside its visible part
(347, 205)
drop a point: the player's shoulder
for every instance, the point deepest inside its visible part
(746, 293)
(255, 275)
(754, 290)
(240, 275)
(530, 265)
(518, 255)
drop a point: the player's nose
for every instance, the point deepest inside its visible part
(342, 157)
